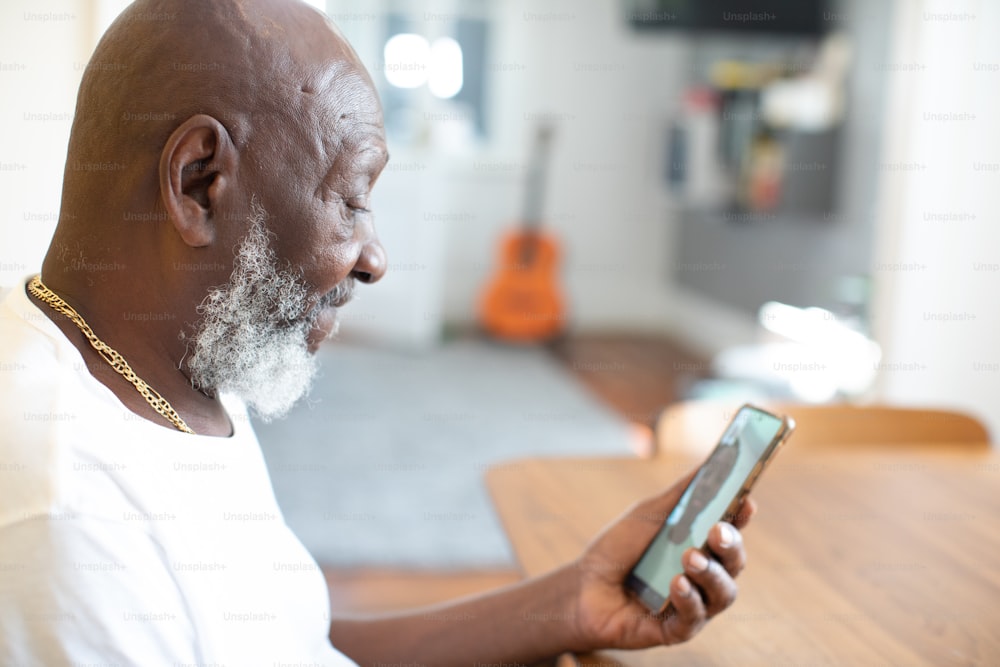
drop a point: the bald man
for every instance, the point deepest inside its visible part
(215, 215)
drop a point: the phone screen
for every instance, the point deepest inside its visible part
(748, 439)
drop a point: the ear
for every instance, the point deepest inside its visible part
(197, 165)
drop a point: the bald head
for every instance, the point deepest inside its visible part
(221, 119)
(254, 65)
(269, 89)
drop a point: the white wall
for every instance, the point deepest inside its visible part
(44, 46)
(937, 310)
(609, 91)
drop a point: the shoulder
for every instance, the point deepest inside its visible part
(31, 354)
(30, 412)
(45, 412)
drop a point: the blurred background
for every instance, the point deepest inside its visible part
(794, 199)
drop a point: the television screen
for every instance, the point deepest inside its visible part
(786, 17)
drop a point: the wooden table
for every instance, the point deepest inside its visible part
(858, 556)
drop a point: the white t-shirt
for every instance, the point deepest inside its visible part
(123, 542)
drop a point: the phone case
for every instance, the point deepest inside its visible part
(646, 593)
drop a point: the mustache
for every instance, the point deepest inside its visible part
(288, 314)
(338, 296)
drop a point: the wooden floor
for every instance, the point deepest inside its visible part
(636, 376)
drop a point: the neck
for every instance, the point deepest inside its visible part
(121, 275)
(146, 337)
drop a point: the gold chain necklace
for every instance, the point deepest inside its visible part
(109, 354)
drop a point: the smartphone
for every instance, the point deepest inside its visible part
(716, 491)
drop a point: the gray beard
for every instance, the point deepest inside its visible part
(251, 339)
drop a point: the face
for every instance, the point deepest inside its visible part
(318, 194)
(311, 237)
(252, 335)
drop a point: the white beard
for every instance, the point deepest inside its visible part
(251, 340)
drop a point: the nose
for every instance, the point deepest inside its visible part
(371, 264)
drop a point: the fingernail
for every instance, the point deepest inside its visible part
(726, 536)
(697, 562)
(685, 586)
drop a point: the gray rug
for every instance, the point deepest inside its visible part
(383, 466)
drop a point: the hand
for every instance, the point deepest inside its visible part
(607, 616)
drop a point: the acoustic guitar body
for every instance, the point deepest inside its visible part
(523, 303)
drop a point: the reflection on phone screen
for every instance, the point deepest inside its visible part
(707, 497)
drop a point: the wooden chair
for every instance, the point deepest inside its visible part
(694, 426)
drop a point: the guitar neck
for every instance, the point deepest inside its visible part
(535, 186)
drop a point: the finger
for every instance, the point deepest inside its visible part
(726, 544)
(686, 614)
(744, 513)
(718, 590)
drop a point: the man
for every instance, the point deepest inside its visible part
(137, 521)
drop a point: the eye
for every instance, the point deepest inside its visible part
(358, 203)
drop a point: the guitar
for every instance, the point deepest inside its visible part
(523, 302)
